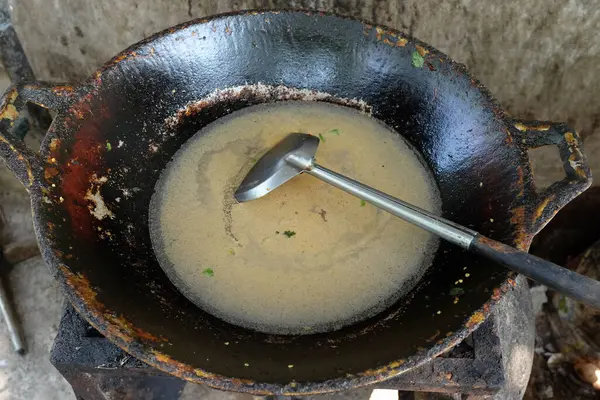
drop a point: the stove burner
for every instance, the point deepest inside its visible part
(493, 362)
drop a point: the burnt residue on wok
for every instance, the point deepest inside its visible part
(113, 134)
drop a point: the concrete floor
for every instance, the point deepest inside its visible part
(540, 63)
(39, 305)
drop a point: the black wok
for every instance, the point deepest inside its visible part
(91, 183)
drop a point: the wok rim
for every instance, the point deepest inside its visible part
(171, 366)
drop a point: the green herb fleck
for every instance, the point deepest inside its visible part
(417, 60)
(108, 146)
(562, 305)
(208, 272)
(329, 132)
(289, 234)
(232, 252)
(457, 291)
(363, 203)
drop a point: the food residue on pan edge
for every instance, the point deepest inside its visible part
(96, 204)
(292, 271)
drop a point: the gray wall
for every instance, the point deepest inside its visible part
(540, 58)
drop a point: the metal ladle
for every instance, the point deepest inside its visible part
(295, 155)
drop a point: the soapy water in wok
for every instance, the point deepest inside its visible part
(308, 257)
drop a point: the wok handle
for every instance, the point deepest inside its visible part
(561, 279)
(578, 177)
(20, 159)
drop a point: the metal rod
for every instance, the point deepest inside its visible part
(445, 229)
(12, 323)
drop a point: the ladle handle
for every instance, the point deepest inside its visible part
(448, 230)
(561, 279)
(555, 277)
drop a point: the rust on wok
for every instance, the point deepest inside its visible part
(78, 179)
(116, 325)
